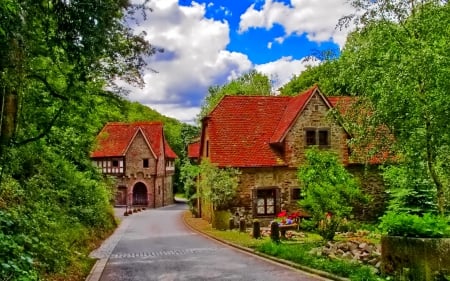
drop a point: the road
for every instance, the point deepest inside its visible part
(156, 245)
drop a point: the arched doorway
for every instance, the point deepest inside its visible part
(140, 194)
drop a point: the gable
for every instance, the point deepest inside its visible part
(116, 138)
(139, 146)
(295, 108)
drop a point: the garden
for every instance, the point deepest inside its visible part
(329, 243)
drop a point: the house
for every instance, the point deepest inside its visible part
(138, 156)
(266, 137)
(194, 151)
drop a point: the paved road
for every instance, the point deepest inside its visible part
(156, 245)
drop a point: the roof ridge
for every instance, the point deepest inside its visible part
(302, 97)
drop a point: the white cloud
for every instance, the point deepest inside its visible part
(282, 70)
(318, 19)
(194, 58)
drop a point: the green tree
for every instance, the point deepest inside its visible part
(325, 75)
(329, 190)
(399, 60)
(55, 54)
(58, 64)
(251, 83)
(218, 185)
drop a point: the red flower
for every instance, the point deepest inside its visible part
(282, 214)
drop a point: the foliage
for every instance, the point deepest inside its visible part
(410, 189)
(299, 253)
(410, 225)
(218, 185)
(251, 83)
(328, 190)
(398, 59)
(59, 61)
(188, 176)
(325, 75)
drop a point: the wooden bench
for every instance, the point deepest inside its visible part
(285, 227)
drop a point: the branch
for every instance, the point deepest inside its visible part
(51, 90)
(44, 132)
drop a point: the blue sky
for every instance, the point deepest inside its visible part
(210, 42)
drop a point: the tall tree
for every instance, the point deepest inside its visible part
(251, 83)
(55, 54)
(399, 59)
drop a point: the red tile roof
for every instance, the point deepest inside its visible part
(194, 150)
(241, 128)
(292, 111)
(115, 138)
(169, 152)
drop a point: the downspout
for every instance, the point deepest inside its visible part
(154, 183)
(164, 168)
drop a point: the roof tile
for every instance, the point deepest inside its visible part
(115, 138)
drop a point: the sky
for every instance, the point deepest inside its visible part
(211, 42)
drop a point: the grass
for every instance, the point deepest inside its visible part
(180, 195)
(296, 250)
(299, 253)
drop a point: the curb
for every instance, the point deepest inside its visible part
(274, 259)
(97, 270)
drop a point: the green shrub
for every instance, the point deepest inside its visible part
(426, 226)
(329, 190)
(299, 253)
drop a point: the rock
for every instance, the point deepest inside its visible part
(378, 265)
(347, 255)
(362, 245)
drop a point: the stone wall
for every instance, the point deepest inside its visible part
(158, 184)
(138, 151)
(314, 115)
(254, 178)
(424, 259)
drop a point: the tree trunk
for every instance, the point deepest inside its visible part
(440, 197)
(8, 117)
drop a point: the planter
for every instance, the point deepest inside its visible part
(415, 258)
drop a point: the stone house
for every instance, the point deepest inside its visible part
(142, 162)
(265, 137)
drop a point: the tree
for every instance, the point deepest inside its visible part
(55, 54)
(325, 75)
(218, 185)
(399, 59)
(58, 63)
(251, 83)
(329, 190)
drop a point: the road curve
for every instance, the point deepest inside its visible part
(156, 245)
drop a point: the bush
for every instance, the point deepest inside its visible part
(409, 225)
(329, 190)
(299, 253)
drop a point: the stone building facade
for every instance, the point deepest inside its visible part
(141, 161)
(266, 139)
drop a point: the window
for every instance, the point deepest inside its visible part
(145, 163)
(265, 201)
(323, 137)
(115, 163)
(310, 137)
(319, 137)
(296, 194)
